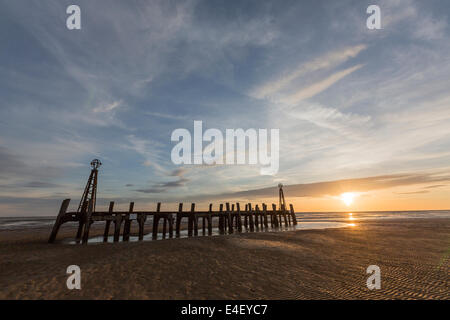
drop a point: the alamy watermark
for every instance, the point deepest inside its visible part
(374, 20)
(374, 280)
(73, 22)
(74, 280)
(235, 150)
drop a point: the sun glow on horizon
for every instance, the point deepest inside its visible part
(347, 198)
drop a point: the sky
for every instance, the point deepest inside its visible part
(361, 111)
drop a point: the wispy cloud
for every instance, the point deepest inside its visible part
(109, 107)
(326, 61)
(318, 87)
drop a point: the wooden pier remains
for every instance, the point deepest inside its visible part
(229, 219)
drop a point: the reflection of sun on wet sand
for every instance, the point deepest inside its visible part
(413, 255)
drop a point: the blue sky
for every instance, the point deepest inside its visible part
(350, 102)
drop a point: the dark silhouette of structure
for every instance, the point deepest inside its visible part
(90, 191)
(230, 217)
(282, 202)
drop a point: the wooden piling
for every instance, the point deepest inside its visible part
(229, 219)
(191, 221)
(170, 226)
(250, 217)
(117, 226)
(164, 227)
(210, 220)
(257, 216)
(294, 218)
(178, 221)
(285, 217)
(59, 220)
(156, 218)
(238, 217)
(246, 217)
(141, 221)
(221, 218)
(87, 222)
(108, 222)
(127, 224)
(81, 218)
(274, 215)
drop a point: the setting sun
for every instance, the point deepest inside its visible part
(347, 198)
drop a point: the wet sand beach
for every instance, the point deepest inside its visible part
(413, 255)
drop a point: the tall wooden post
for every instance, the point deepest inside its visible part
(257, 216)
(238, 217)
(108, 222)
(192, 225)
(59, 220)
(88, 222)
(229, 218)
(156, 217)
(221, 224)
(141, 221)
(165, 219)
(81, 219)
(294, 218)
(274, 214)
(246, 217)
(210, 220)
(127, 224)
(250, 217)
(170, 225)
(117, 226)
(178, 222)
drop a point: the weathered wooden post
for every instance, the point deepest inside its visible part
(141, 221)
(266, 224)
(108, 222)
(210, 220)
(274, 213)
(250, 217)
(285, 216)
(221, 224)
(87, 222)
(191, 220)
(229, 218)
(127, 224)
(179, 217)
(170, 225)
(59, 220)
(246, 217)
(294, 218)
(156, 217)
(81, 219)
(238, 217)
(257, 217)
(195, 221)
(164, 226)
(117, 226)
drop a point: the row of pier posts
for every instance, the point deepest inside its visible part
(230, 218)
